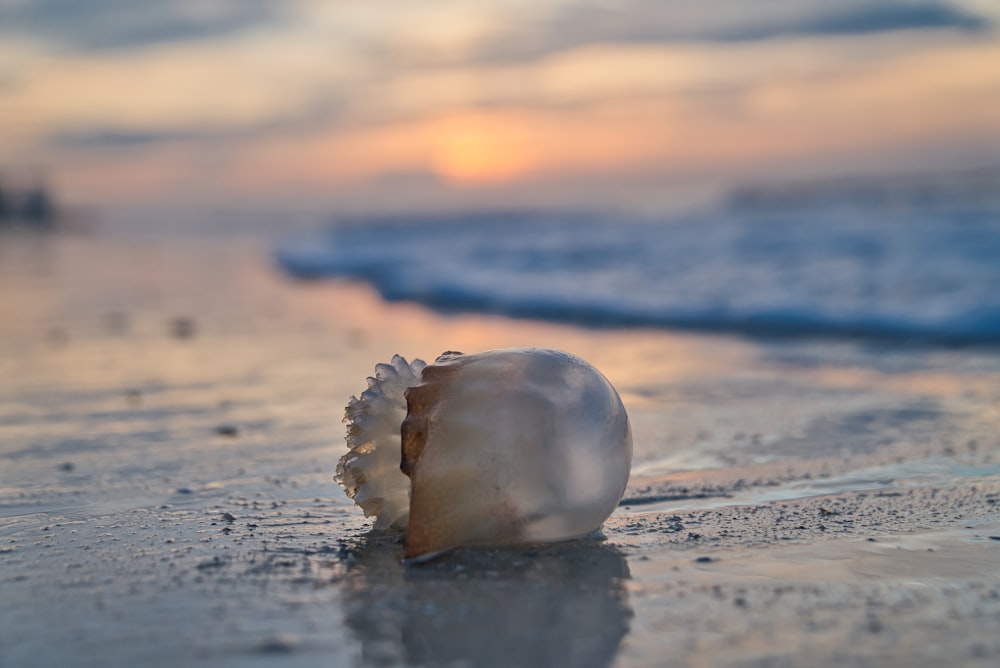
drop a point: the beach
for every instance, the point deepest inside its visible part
(170, 423)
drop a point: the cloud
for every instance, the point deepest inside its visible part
(317, 115)
(110, 138)
(665, 21)
(882, 17)
(100, 25)
(107, 25)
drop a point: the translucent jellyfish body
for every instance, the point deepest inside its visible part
(503, 447)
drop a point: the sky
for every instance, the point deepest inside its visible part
(398, 104)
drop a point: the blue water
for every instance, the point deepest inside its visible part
(914, 267)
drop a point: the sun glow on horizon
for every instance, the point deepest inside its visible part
(481, 149)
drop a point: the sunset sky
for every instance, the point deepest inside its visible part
(394, 103)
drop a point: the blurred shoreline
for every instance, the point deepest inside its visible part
(170, 421)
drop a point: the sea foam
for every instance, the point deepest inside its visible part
(927, 271)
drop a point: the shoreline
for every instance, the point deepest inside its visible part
(791, 502)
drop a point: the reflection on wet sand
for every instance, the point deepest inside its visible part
(553, 605)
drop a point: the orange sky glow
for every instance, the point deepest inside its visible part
(330, 102)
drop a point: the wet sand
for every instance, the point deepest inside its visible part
(170, 419)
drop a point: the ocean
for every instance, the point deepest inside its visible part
(891, 259)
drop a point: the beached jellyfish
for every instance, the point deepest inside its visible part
(504, 447)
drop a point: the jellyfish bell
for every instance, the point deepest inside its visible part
(504, 447)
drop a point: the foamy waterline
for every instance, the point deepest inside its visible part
(927, 273)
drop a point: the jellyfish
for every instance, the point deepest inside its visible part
(504, 447)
